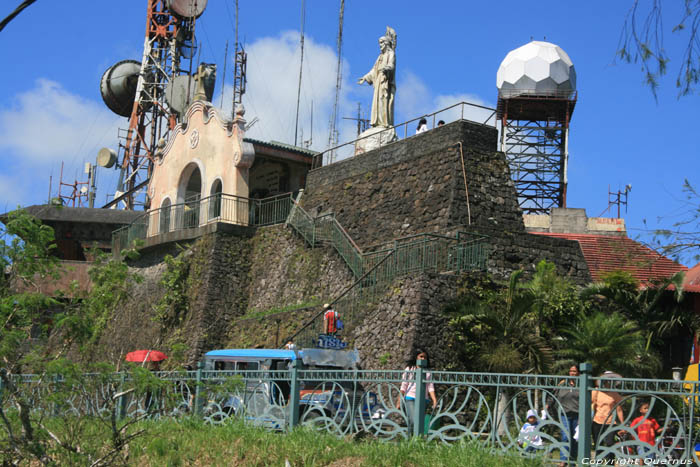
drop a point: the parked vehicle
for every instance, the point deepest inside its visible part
(264, 394)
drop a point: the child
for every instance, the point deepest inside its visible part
(527, 438)
(646, 428)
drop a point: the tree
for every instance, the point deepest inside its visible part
(657, 309)
(608, 342)
(31, 412)
(682, 240)
(642, 41)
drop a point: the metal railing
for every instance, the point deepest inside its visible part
(486, 408)
(461, 111)
(220, 207)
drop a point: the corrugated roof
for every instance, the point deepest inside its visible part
(605, 254)
(51, 213)
(692, 279)
(284, 146)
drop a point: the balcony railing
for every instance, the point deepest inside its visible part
(192, 214)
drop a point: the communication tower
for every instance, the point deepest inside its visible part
(536, 98)
(153, 92)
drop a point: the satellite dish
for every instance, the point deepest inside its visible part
(118, 86)
(106, 157)
(177, 95)
(186, 8)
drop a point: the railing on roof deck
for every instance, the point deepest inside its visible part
(220, 207)
(461, 111)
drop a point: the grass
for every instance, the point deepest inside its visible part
(191, 442)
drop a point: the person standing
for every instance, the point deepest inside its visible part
(603, 403)
(330, 320)
(568, 396)
(422, 126)
(408, 386)
(646, 428)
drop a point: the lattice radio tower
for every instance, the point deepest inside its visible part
(167, 54)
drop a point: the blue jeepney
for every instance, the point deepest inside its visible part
(263, 396)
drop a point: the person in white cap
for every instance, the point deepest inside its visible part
(528, 439)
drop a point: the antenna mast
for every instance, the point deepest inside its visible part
(333, 132)
(301, 65)
(239, 72)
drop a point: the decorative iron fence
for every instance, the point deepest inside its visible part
(196, 213)
(488, 408)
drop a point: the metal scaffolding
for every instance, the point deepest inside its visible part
(534, 137)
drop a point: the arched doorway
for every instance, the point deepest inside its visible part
(215, 200)
(189, 193)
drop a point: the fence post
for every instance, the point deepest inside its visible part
(419, 404)
(584, 413)
(294, 394)
(198, 389)
(121, 413)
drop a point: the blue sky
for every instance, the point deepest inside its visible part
(56, 52)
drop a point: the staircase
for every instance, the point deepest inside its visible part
(375, 271)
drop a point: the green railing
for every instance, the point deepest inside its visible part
(485, 408)
(375, 271)
(196, 213)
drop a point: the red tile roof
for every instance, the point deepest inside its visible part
(692, 279)
(606, 253)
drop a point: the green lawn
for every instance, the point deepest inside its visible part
(190, 442)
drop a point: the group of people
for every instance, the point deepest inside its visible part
(423, 125)
(602, 403)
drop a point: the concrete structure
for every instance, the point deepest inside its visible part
(205, 156)
(574, 220)
(77, 231)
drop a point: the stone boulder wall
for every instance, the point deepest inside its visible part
(409, 317)
(223, 281)
(285, 271)
(417, 185)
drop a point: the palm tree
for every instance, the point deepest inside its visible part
(609, 342)
(510, 342)
(656, 308)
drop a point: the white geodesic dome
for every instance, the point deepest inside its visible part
(536, 68)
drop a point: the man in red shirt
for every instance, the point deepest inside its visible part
(330, 320)
(646, 428)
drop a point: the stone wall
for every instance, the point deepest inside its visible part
(417, 185)
(407, 318)
(233, 283)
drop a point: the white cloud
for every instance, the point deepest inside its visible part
(44, 126)
(414, 99)
(48, 124)
(271, 93)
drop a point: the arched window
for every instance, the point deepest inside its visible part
(189, 193)
(165, 216)
(215, 200)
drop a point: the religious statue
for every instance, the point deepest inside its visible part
(205, 79)
(381, 76)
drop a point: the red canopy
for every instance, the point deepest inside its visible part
(141, 356)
